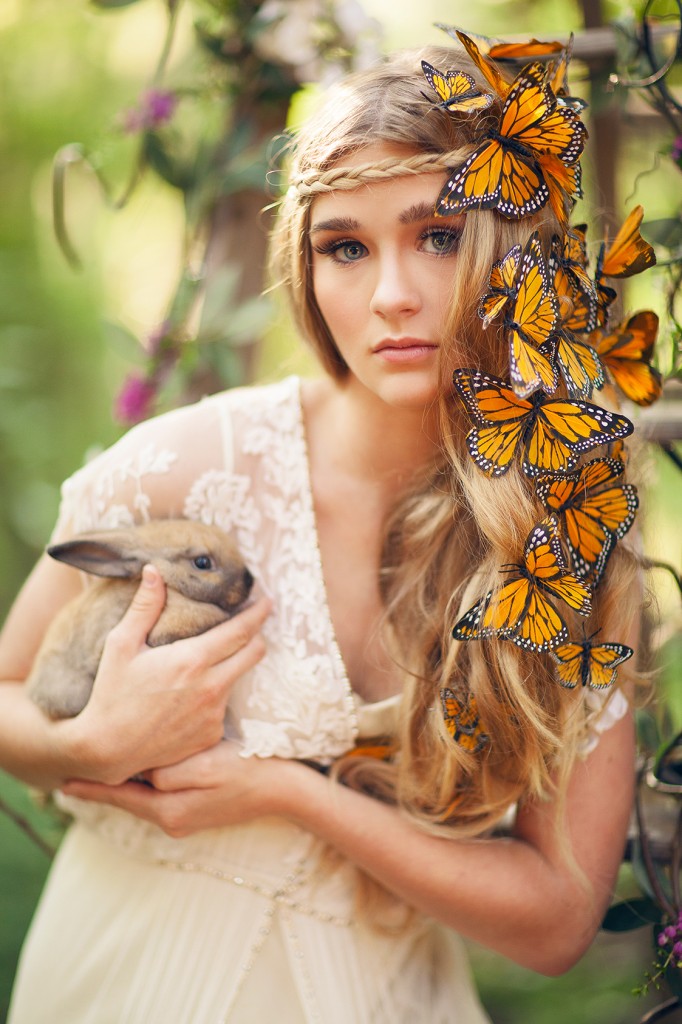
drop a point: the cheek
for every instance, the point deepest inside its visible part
(333, 299)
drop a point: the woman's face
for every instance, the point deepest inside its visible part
(383, 271)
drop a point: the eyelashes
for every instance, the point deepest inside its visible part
(434, 241)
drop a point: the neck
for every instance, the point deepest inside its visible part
(353, 433)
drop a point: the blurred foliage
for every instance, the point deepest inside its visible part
(73, 73)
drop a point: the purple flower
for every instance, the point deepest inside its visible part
(155, 107)
(134, 400)
(676, 152)
(662, 939)
(677, 950)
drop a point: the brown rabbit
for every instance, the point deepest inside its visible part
(206, 580)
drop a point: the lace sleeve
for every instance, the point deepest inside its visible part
(149, 473)
(603, 711)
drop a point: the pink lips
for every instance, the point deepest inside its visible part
(404, 350)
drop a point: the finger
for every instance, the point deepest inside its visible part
(135, 797)
(233, 636)
(144, 609)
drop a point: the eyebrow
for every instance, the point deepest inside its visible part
(336, 224)
(413, 215)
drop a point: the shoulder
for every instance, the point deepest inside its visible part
(150, 471)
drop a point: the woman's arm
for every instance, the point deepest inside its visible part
(517, 895)
(149, 706)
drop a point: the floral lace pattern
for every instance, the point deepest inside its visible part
(297, 702)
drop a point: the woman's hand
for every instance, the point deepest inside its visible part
(211, 789)
(161, 705)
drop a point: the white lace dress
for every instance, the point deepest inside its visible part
(237, 924)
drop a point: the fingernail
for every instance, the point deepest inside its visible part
(149, 576)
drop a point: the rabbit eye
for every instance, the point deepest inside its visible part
(203, 562)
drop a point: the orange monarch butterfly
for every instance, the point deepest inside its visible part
(484, 50)
(520, 283)
(626, 353)
(460, 712)
(519, 611)
(552, 433)
(499, 49)
(591, 665)
(576, 290)
(501, 284)
(627, 255)
(456, 90)
(595, 511)
(504, 172)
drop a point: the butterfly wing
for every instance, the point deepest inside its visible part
(593, 514)
(569, 664)
(580, 365)
(604, 659)
(456, 90)
(487, 67)
(626, 353)
(501, 283)
(629, 253)
(565, 428)
(460, 712)
(530, 322)
(501, 419)
(544, 562)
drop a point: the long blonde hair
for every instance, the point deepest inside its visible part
(446, 542)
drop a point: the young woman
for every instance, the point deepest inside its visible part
(241, 884)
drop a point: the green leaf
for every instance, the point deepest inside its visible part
(667, 231)
(123, 342)
(631, 914)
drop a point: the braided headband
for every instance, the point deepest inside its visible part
(315, 182)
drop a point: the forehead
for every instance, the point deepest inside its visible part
(394, 192)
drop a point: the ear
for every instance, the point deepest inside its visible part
(99, 557)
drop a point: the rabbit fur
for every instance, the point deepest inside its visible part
(206, 580)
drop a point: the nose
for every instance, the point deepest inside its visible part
(396, 292)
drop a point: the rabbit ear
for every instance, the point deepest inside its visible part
(100, 557)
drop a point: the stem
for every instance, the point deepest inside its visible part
(659, 1012)
(28, 829)
(659, 894)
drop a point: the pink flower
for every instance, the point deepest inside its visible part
(676, 152)
(134, 400)
(155, 107)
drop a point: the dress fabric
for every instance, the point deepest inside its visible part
(250, 923)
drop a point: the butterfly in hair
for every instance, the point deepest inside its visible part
(456, 90)
(595, 511)
(520, 611)
(504, 172)
(520, 288)
(460, 713)
(628, 254)
(551, 433)
(626, 353)
(588, 664)
(576, 291)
